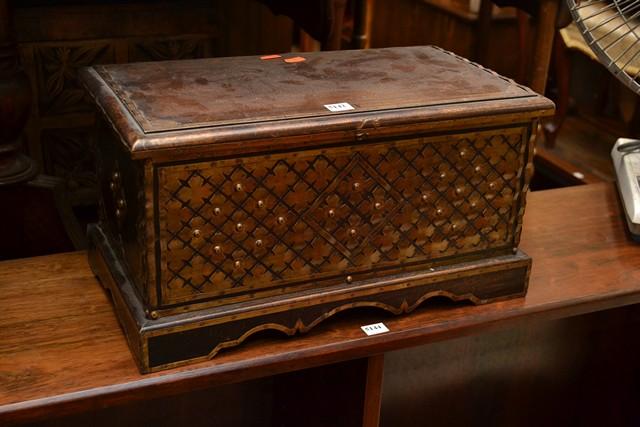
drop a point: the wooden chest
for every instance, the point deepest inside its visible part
(244, 194)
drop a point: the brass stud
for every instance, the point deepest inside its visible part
(356, 186)
(115, 176)
(153, 314)
(514, 250)
(492, 185)
(438, 211)
(196, 232)
(463, 153)
(280, 220)
(378, 205)
(454, 226)
(120, 203)
(217, 249)
(118, 213)
(260, 204)
(238, 187)
(353, 232)
(443, 175)
(216, 211)
(477, 168)
(331, 213)
(459, 190)
(474, 204)
(258, 243)
(239, 226)
(237, 264)
(349, 279)
(112, 186)
(425, 197)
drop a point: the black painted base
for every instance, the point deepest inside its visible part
(189, 337)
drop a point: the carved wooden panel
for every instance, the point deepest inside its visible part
(232, 226)
(170, 49)
(56, 67)
(70, 154)
(58, 38)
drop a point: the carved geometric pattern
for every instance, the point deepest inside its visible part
(57, 67)
(70, 154)
(229, 226)
(169, 49)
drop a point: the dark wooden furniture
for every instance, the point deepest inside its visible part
(234, 200)
(43, 111)
(15, 101)
(66, 355)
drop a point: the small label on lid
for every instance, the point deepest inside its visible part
(375, 329)
(342, 106)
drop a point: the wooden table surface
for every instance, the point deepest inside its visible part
(61, 348)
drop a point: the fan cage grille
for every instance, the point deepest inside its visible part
(612, 30)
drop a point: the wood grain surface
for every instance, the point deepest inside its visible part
(61, 348)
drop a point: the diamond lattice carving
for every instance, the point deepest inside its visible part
(236, 225)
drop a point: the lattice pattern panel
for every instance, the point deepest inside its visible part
(236, 225)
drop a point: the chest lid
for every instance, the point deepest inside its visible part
(157, 105)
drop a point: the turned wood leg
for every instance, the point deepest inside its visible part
(524, 28)
(334, 40)
(15, 101)
(562, 68)
(484, 31)
(545, 32)
(363, 13)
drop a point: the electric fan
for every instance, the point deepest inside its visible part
(612, 29)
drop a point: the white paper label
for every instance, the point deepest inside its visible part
(375, 329)
(342, 106)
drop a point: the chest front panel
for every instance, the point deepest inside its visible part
(229, 228)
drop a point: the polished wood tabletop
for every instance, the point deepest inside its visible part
(61, 348)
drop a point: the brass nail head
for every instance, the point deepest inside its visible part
(239, 226)
(237, 264)
(425, 197)
(216, 211)
(116, 176)
(332, 213)
(280, 220)
(492, 185)
(238, 187)
(443, 175)
(153, 314)
(196, 232)
(217, 249)
(258, 243)
(477, 169)
(439, 211)
(260, 204)
(121, 203)
(349, 279)
(112, 185)
(356, 186)
(353, 232)
(378, 205)
(118, 213)
(459, 190)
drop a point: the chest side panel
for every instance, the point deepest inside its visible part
(238, 228)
